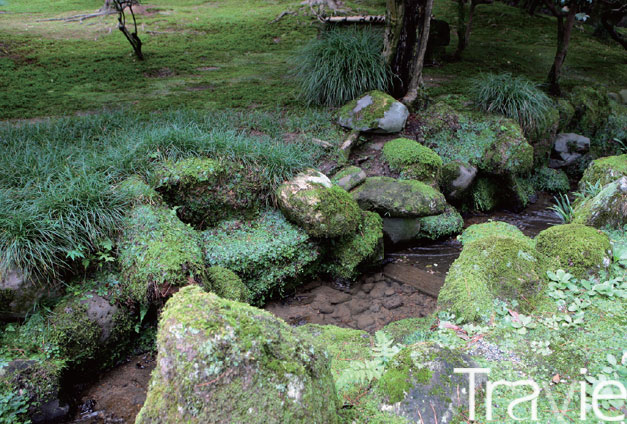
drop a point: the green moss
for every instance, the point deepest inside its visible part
(520, 191)
(206, 191)
(484, 194)
(203, 337)
(566, 114)
(510, 153)
(225, 283)
(157, 251)
(443, 225)
(575, 247)
(349, 177)
(491, 229)
(397, 379)
(364, 247)
(592, 108)
(267, 253)
(75, 335)
(412, 159)
(135, 188)
(493, 267)
(604, 171)
(549, 179)
(607, 209)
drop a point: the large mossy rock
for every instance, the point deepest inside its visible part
(591, 109)
(322, 209)
(491, 229)
(493, 267)
(413, 160)
(510, 153)
(226, 362)
(207, 191)
(420, 384)
(267, 253)
(225, 283)
(605, 170)
(578, 248)
(399, 198)
(374, 112)
(606, 209)
(156, 252)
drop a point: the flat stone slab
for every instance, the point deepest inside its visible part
(421, 280)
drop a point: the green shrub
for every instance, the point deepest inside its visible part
(512, 96)
(340, 65)
(266, 253)
(553, 180)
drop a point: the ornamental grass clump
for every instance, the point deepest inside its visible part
(340, 65)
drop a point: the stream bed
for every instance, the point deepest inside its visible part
(405, 287)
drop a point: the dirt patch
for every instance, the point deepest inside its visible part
(202, 87)
(119, 394)
(159, 73)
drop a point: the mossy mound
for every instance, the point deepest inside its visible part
(446, 224)
(138, 191)
(213, 350)
(510, 153)
(412, 160)
(491, 229)
(320, 208)
(575, 247)
(207, 191)
(606, 209)
(399, 198)
(552, 180)
(493, 267)
(267, 253)
(365, 247)
(225, 283)
(421, 378)
(157, 251)
(592, 108)
(605, 170)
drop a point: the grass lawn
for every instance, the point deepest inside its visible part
(224, 54)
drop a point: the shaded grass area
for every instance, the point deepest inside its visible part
(209, 55)
(58, 177)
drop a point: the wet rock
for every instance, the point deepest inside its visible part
(342, 311)
(364, 321)
(389, 292)
(374, 112)
(392, 302)
(398, 230)
(399, 198)
(366, 287)
(339, 297)
(350, 177)
(19, 295)
(357, 306)
(326, 309)
(420, 384)
(213, 350)
(457, 177)
(608, 208)
(568, 148)
(378, 290)
(605, 170)
(375, 307)
(321, 209)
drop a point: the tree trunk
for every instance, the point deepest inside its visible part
(564, 30)
(406, 36)
(462, 26)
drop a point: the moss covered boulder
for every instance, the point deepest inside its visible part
(322, 209)
(420, 384)
(493, 267)
(509, 153)
(375, 111)
(457, 177)
(267, 252)
(363, 248)
(399, 198)
(604, 171)
(157, 252)
(446, 224)
(206, 191)
(591, 109)
(413, 160)
(578, 248)
(349, 177)
(225, 283)
(226, 362)
(606, 209)
(491, 229)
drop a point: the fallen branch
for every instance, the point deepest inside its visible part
(346, 147)
(369, 19)
(316, 8)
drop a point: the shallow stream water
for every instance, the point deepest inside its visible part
(400, 289)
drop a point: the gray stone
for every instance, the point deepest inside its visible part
(374, 112)
(623, 95)
(399, 198)
(326, 308)
(568, 148)
(399, 230)
(393, 302)
(349, 178)
(439, 400)
(19, 295)
(465, 177)
(100, 311)
(339, 297)
(357, 306)
(365, 321)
